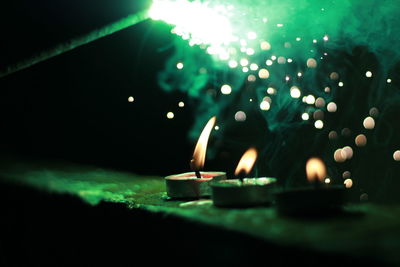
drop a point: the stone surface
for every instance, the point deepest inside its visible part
(363, 231)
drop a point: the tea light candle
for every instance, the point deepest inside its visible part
(317, 199)
(239, 194)
(243, 192)
(187, 185)
(194, 184)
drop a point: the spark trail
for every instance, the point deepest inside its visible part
(77, 42)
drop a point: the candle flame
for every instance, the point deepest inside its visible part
(316, 170)
(247, 161)
(199, 153)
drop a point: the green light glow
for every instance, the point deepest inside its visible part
(279, 60)
(200, 23)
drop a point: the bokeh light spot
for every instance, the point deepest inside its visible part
(369, 123)
(361, 140)
(240, 116)
(170, 115)
(226, 89)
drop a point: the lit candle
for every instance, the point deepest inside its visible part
(194, 184)
(243, 192)
(316, 199)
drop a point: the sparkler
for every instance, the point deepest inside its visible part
(77, 42)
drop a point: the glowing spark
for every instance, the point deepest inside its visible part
(254, 66)
(334, 76)
(346, 174)
(331, 107)
(319, 124)
(281, 60)
(251, 78)
(396, 155)
(348, 152)
(265, 46)
(295, 92)
(271, 91)
(197, 21)
(265, 105)
(233, 64)
(310, 99)
(361, 140)
(263, 73)
(311, 63)
(338, 155)
(369, 123)
(319, 102)
(250, 51)
(332, 135)
(348, 183)
(170, 115)
(240, 116)
(244, 62)
(226, 89)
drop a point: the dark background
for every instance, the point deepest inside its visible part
(75, 106)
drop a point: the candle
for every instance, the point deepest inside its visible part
(316, 199)
(194, 184)
(188, 186)
(243, 192)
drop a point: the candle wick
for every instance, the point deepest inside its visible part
(198, 174)
(241, 176)
(317, 183)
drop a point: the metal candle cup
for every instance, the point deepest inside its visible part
(314, 200)
(311, 201)
(250, 192)
(188, 186)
